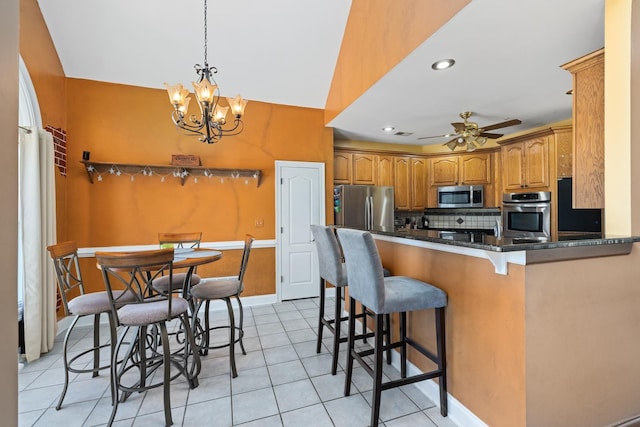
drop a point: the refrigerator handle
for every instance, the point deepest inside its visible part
(366, 212)
(370, 223)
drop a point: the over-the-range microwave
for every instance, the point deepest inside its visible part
(461, 196)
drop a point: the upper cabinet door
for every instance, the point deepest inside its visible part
(402, 182)
(443, 171)
(513, 166)
(385, 171)
(418, 184)
(364, 169)
(536, 159)
(475, 169)
(342, 168)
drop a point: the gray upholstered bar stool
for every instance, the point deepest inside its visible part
(333, 270)
(386, 295)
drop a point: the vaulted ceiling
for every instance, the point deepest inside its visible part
(508, 56)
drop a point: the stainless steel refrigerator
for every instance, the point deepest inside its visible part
(366, 207)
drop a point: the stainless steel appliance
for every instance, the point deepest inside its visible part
(461, 196)
(527, 215)
(366, 207)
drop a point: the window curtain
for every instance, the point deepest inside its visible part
(37, 230)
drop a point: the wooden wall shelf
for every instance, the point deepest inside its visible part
(181, 172)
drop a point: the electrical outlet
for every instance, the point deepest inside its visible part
(259, 223)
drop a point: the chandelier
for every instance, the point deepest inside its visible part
(211, 124)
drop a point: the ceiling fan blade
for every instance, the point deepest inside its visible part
(452, 144)
(459, 126)
(501, 125)
(438, 136)
(490, 135)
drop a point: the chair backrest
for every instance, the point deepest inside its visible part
(180, 240)
(134, 273)
(332, 269)
(65, 261)
(364, 268)
(248, 242)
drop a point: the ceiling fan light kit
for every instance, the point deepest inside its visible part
(469, 134)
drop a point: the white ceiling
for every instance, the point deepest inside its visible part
(508, 55)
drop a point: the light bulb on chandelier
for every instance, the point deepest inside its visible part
(213, 117)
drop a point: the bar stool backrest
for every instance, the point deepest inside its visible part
(364, 268)
(181, 240)
(332, 269)
(248, 242)
(134, 272)
(65, 261)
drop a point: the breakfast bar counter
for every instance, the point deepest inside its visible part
(529, 324)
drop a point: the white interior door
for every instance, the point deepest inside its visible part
(300, 194)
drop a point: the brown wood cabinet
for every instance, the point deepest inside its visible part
(525, 164)
(342, 167)
(588, 130)
(385, 171)
(402, 183)
(418, 168)
(364, 168)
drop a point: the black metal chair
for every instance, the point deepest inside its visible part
(386, 295)
(223, 289)
(333, 270)
(150, 349)
(79, 304)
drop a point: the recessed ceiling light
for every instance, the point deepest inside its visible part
(388, 128)
(443, 64)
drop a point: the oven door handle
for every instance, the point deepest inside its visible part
(527, 205)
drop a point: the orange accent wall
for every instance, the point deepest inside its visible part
(379, 34)
(132, 125)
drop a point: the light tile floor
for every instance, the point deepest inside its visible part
(281, 381)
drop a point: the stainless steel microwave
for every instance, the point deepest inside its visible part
(461, 196)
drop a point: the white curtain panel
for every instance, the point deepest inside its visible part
(37, 226)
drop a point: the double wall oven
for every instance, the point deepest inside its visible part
(527, 215)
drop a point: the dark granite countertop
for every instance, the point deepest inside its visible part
(506, 244)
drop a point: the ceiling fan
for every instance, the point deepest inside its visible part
(469, 134)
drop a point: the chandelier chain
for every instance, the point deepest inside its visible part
(205, 34)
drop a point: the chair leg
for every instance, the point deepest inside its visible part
(336, 331)
(442, 365)
(166, 360)
(115, 375)
(364, 323)
(232, 338)
(387, 329)
(113, 339)
(350, 346)
(377, 370)
(96, 344)
(240, 325)
(320, 315)
(403, 347)
(65, 360)
(205, 333)
(191, 371)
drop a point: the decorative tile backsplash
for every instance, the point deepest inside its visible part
(452, 218)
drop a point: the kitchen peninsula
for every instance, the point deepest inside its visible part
(538, 333)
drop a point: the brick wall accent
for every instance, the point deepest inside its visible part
(60, 148)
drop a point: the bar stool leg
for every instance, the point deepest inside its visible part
(387, 319)
(403, 347)
(337, 323)
(241, 326)
(232, 338)
(350, 346)
(377, 372)
(320, 315)
(441, 344)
